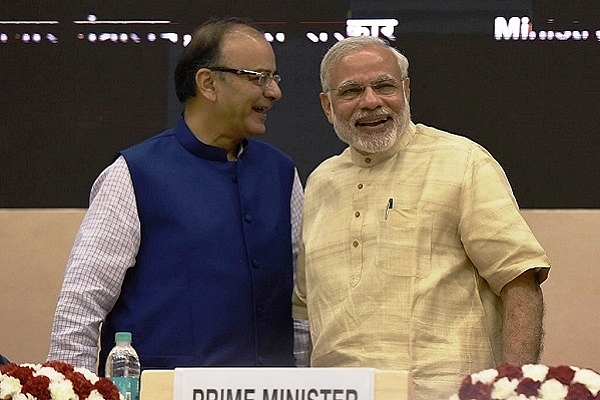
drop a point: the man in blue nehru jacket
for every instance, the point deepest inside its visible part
(190, 239)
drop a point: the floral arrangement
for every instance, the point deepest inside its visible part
(530, 382)
(53, 380)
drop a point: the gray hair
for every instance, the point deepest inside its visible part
(348, 46)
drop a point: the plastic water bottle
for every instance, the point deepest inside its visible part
(123, 367)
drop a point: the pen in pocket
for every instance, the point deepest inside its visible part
(388, 207)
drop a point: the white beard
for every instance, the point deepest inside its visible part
(372, 142)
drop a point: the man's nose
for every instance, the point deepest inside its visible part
(273, 91)
(369, 98)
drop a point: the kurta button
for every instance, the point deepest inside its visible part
(248, 218)
(255, 263)
(234, 179)
(357, 214)
(360, 186)
(259, 312)
(355, 243)
(261, 361)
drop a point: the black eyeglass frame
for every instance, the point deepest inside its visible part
(263, 79)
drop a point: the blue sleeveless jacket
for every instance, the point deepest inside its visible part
(213, 276)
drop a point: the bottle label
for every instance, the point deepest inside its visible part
(129, 387)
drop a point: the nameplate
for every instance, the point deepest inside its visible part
(274, 384)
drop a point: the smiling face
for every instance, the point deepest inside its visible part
(243, 104)
(373, 120)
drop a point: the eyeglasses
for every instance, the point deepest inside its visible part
(263, 79)
(383, 87)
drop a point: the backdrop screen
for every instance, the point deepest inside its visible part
(82, 81)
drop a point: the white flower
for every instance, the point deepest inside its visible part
(553, 390)
(486, 376)
(9, 386)
(35, 367)
(535, 372)
(21, 396)
(62, 390)
(50, 372)
(504, 388)
(588, 378)
(520, 397)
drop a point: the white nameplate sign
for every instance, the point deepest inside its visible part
(274, 384)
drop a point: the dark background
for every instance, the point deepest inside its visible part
(66, 108)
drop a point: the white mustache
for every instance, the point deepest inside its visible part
(380, 112)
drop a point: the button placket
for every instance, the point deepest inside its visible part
(356, 230)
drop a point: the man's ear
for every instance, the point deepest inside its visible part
(205, 84)
(407, 89)
(326, 105)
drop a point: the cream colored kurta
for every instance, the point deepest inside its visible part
(414, 287)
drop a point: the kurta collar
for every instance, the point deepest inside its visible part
(192, 144)
(369, 160)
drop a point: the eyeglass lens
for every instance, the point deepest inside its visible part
(352, 91)
(265, 79)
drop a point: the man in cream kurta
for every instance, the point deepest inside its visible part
(404, 255)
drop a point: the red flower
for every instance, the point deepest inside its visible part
(5, 369)
(469, 390)
(564, 374)
(578, 391)
(509, 371)
(37, 386)
(81, 386)
(528, 387)
(107, 389)
(21, 373)
(58, 366)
